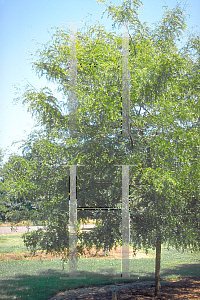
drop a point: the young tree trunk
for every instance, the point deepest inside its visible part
(157, 270)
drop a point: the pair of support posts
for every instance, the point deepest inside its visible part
(125, 168)
(73, 223)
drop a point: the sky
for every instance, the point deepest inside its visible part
(24, 24)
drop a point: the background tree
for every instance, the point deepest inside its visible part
(2, 193)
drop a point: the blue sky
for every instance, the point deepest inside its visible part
(23, 23)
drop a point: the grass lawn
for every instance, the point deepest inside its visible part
(11, 243)
(42, 279)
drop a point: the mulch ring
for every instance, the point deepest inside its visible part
(188, 288)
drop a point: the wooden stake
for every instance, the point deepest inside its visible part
(114, 295)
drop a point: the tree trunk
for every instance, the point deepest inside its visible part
(157, 270)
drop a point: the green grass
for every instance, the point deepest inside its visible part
(42, 279)
(11, 243)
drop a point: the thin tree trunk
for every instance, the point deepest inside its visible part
(157, 270)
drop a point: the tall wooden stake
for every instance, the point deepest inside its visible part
(157, 270)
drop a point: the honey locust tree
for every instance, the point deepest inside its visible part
(164, 127)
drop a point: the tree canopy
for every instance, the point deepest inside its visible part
(163, 142)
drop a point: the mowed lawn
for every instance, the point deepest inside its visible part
(42, 279)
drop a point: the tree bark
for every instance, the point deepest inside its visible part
(157, 269)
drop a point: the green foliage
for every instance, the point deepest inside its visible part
(124, 12)
(45, 107)
(162, 144)
(1, 158)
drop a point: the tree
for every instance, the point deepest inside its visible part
(164, 139)
(2, 208)
(13, 206)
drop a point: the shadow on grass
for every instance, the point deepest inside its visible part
(50, 282)
(182, 271)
